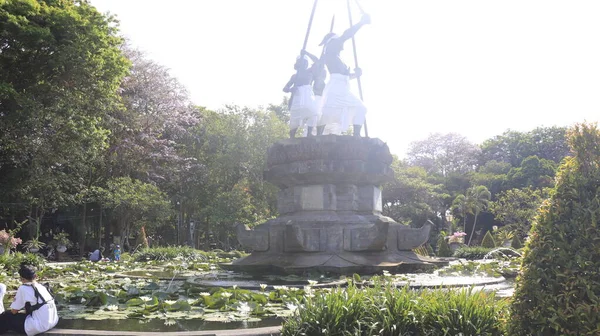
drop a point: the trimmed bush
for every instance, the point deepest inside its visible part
(386, 310)
(488, 241)
(558, 292)
(516, 243)
(471, 252)
(443, 249)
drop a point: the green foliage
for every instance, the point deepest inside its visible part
(410, 198)
(443, 249)
(169, 253)
(488, 241)
(11, 263)
(512, 146)
(387, 310)
(558, 292)
(533, 172)
(516, 208)
(516, 243)
(60, 68)
(429, 250)
(471, 252)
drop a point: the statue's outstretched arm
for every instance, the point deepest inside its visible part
(289, 85)
(366, 19)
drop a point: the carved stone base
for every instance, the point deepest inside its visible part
(330, 205)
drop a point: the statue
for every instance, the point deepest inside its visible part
(340, 105)
(302, 106)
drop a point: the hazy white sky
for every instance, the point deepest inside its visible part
(475, 67)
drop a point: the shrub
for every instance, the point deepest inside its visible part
(516, 243)
(443, 249)
(557, 292)
(488, 241)
(11, 263)
(471, 252)
(386, 310)
(168, 253)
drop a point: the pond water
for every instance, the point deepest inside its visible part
(160, 325)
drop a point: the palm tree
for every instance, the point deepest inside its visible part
(462, 205)
(479, 197)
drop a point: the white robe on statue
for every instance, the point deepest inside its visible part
(340, 106)
(303, 110)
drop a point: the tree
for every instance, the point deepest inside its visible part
(516, 208)
(463, 206)
(533, 172)
(512, 146)
(60, 68)
(411, 198)
(231, 145)
(133, 204)
(557, 291)
(444, 154)
(474, 202)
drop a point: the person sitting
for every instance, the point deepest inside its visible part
(33, 310)
(2, 293)
(97, 255)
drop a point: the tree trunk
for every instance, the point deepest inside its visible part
(473, 229)
(83, 231)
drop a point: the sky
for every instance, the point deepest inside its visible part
(473, 67)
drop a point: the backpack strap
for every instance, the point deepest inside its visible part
(38, 297)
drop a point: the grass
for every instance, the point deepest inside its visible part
(386, 310)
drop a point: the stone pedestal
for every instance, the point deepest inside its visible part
(330, 212)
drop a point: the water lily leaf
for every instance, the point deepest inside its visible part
(134, 302)
(152, 286)
(180, 305)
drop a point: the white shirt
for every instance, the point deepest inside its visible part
(2, 293)
(42, 319)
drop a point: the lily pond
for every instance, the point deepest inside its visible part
(193, 293)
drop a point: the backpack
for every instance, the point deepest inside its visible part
(29, 308)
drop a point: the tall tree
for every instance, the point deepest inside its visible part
(411, 198)
(516, 208)
(480, 197)
(60, 68)
(444, 154)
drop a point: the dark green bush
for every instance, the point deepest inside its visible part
(443, 249)
(488, 241)
(12, 262)
(516, 243)
(471, 252)
(558, 291)
(387, 310)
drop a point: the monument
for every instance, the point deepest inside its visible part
(330, 201)
(330, 212)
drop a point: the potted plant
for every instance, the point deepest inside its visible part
(61, 241)
(34, 245)
(456, 240)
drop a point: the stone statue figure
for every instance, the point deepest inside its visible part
(302, 106)
(339, 104)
